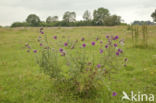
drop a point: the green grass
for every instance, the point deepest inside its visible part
(21, 80)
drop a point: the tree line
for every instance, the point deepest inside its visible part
(101, 17)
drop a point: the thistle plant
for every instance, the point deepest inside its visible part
(79, 65)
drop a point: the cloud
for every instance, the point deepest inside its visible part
(129, 10)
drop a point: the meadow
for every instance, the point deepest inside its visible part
(22, 81)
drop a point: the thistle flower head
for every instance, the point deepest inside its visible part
(115, 45)
(116, 37)
(65, 44)
(82, 39)
(61, 50)
(99, 66)
(107, 36)
(93, 43)
(114, 94)
(55, 37)
(106, 46)
(101, 51)
(35, 51)
(117, 53)
(84, 45)
(41, 44)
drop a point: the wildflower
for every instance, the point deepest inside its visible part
(120, 51)
(41, 32)
(101, 51)
(55, 37)
(65, 44)
(117, 53)
(82, 39)
(125, 59)
(93, 43)
(106, 46)
(35, 51)
(115, 45)
(99, 66)
(84, 45)
(61, 50)
(97, 39)
(114, 94)
(107, 36)
(116, 37)
(41, 44)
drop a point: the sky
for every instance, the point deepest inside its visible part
(129, 10)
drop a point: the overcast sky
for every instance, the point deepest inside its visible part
(129, 10)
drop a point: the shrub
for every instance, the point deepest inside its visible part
(77, 66)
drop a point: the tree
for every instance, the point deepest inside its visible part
(69, 16)
(153, 15)
(112, 20)
(87, 15)
(99, 15)
(33, 20)
(52, 19)
(20, 24)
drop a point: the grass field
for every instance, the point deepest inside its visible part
(21, 80)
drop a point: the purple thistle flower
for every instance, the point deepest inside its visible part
(117, 53)
(101, 51)
(120, 51)
(65, 44)
(106, 46)
(41, 32)
(116, 37)
(107, 36)
(41, 44)
(55, 37)
(61, 50)
(93, 43)
(35, 51)
(84, 45)
(82, 39)
(115, 45)
(114, 94)
(99, 66)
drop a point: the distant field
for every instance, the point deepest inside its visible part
(21, 80)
